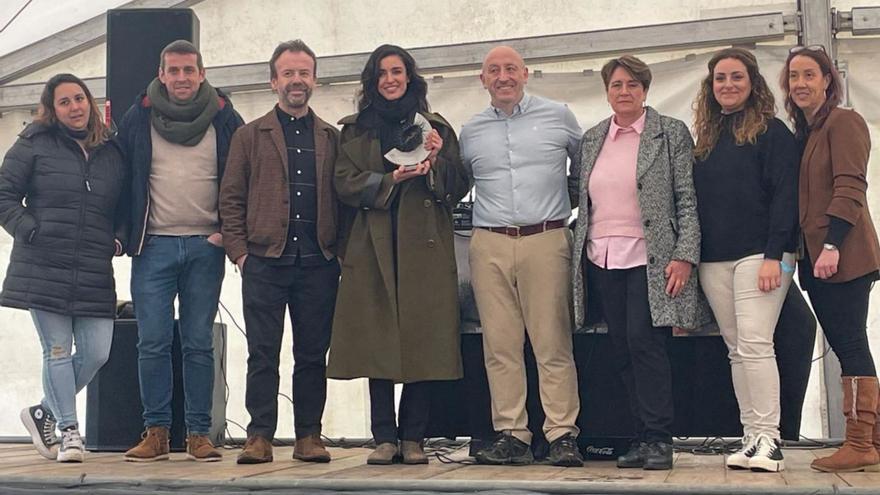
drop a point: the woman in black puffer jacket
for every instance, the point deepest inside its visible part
(60, 186)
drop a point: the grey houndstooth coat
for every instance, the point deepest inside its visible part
(668, 207)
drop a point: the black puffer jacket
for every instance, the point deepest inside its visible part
(64, 237)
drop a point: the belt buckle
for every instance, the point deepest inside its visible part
(512, 231)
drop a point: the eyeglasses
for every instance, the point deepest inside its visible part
(812, 48)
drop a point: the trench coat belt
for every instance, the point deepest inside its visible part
(527, 229)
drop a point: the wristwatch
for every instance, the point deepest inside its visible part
(829, 247)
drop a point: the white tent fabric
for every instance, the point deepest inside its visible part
(42, 18)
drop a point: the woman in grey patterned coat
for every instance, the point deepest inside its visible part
(638, 238)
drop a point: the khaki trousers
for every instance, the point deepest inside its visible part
(747, 319)
(521, 284)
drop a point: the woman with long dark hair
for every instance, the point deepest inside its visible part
(60, 185)
(842, 253)
(397, 317)
(746, 182)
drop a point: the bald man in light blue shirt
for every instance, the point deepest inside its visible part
(517, 152)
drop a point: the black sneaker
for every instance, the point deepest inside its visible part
(635, 456)
(768, 457)
(507, 450)
(41, 426)
(658, 456)
(564, 452)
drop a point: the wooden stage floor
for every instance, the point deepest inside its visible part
(21, 466)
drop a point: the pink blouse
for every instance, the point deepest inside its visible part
(616, 239)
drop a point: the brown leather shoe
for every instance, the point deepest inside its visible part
(310, 449)
(257, 450)
(412, 452)
(385, 453)
(152, 447)
(199, 448)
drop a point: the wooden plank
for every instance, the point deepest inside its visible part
(860, 480)
(302, 470)
(403, 472)
(697, 470)
(607, 472)
(21, 451)
(395, 471)
(534, 472)
(689, 470)
(798, 472)
(15, 446)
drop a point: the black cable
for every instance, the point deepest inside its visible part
(342, 443)
(231, 442)
(442, 449)
(816, 444)
(240, 329)
(827, 349)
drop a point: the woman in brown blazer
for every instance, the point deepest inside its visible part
(842, 254)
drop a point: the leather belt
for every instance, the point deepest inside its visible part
(527, 229)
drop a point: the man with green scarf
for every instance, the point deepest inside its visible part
(176, 137)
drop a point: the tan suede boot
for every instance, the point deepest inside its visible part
(876, 439)
(257, 450)
(310, 449)
(385, 454)
(860, 408)
(412, 452)
(199, 448)
(152, 447)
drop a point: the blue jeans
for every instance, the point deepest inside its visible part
(191, 269)
(65, 374)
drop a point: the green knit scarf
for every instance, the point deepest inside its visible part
(182, 123)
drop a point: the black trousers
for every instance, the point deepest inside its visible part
(842, 311)
(310, 295)
(415, 404)
(639, 348)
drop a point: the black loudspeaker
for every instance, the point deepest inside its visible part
(114, 414)
(135, 38)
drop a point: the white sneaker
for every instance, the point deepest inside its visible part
(41, 426)
(768, 457)
(740, 458)
(72, 449)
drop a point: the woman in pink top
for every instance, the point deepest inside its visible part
(638, 230)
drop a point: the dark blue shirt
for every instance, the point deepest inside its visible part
(301, 247)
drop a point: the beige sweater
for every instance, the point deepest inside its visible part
(184, 187)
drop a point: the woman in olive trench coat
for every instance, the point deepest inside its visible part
(397, 317)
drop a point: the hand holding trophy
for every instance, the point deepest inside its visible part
(418, 148)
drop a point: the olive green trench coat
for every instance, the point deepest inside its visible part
(397, 323)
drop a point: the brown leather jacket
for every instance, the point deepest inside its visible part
(255, 196)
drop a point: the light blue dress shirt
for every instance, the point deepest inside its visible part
(518, 163)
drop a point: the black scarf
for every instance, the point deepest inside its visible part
(74, 134)
(389, 118)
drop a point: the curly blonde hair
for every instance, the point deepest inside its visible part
(760, 106)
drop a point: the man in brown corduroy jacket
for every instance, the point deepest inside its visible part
(279, 213)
